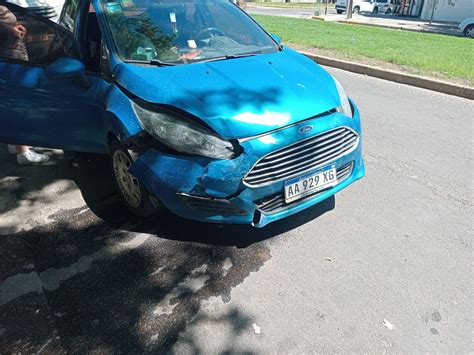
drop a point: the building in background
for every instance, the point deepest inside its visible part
(447, 10)
(436, 10)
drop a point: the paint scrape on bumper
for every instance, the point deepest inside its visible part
(195, 187)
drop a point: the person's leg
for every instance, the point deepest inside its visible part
(22, 149)
(26, 156)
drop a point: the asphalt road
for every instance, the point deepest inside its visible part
(386, 266)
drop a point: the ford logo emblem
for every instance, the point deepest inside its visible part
(305, 129)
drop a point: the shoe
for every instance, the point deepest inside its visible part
(30, 158)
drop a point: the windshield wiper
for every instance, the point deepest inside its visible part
(226, 57)
(162, 64)
(156, 62)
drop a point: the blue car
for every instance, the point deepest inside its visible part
(200, 109)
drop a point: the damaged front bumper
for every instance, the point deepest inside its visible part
(213, 190)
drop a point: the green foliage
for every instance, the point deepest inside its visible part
(163, 42)
(131, 33)
(426, 53)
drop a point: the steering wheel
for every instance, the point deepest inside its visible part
(211, 31)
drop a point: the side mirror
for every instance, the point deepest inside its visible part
(68, 68)
(276, 38)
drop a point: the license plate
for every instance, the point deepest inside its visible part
(310, 183)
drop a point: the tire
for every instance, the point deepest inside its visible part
(339, 12)
(375, 11)
(469, 31)
(388, 12)
(356, 10)
(132, 192)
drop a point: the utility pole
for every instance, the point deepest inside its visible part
(435, 2)
(349, 9)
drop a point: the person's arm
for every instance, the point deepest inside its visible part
(8, 27)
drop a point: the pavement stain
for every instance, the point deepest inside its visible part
(108, 279)
(436, 316)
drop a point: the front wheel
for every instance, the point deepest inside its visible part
(469, 31)
(356, 10)
(388, 12)
(375, 11)
(133, 193)
(339, 12)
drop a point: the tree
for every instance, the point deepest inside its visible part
(349, 9)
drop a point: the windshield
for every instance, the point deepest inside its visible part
(182, 32)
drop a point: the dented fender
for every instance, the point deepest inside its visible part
(119, 118)
(166, 175)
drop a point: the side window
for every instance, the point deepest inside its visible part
(69, 14)
(28, 37)
(105, 66)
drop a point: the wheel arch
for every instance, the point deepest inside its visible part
(467, 28)
(117, 131)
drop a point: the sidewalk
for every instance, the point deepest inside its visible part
(394, 22)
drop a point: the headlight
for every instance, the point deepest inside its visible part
(182, 135)
(345, 106)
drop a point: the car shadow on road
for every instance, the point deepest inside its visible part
(102, 198)
(92, 175)
(113, 283)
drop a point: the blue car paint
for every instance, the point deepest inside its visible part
(237, 98)
(50, 113)
(240, 97)
(166, 175)
(119, 118)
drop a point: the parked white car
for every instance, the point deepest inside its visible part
(371, 6)
(467, 27)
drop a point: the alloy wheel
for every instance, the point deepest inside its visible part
(469, 31)
(128, 184)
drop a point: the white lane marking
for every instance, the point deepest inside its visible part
(18, 285)
(191, 283)
(50, 279)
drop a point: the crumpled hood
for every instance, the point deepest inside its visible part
(239, 97)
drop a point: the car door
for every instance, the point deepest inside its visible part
(366, 6)
(382, 5)
(36, 110)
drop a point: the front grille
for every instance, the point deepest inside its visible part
(302, 156)
(276, 203)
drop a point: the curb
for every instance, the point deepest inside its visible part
(453, 33)
(391, 75)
